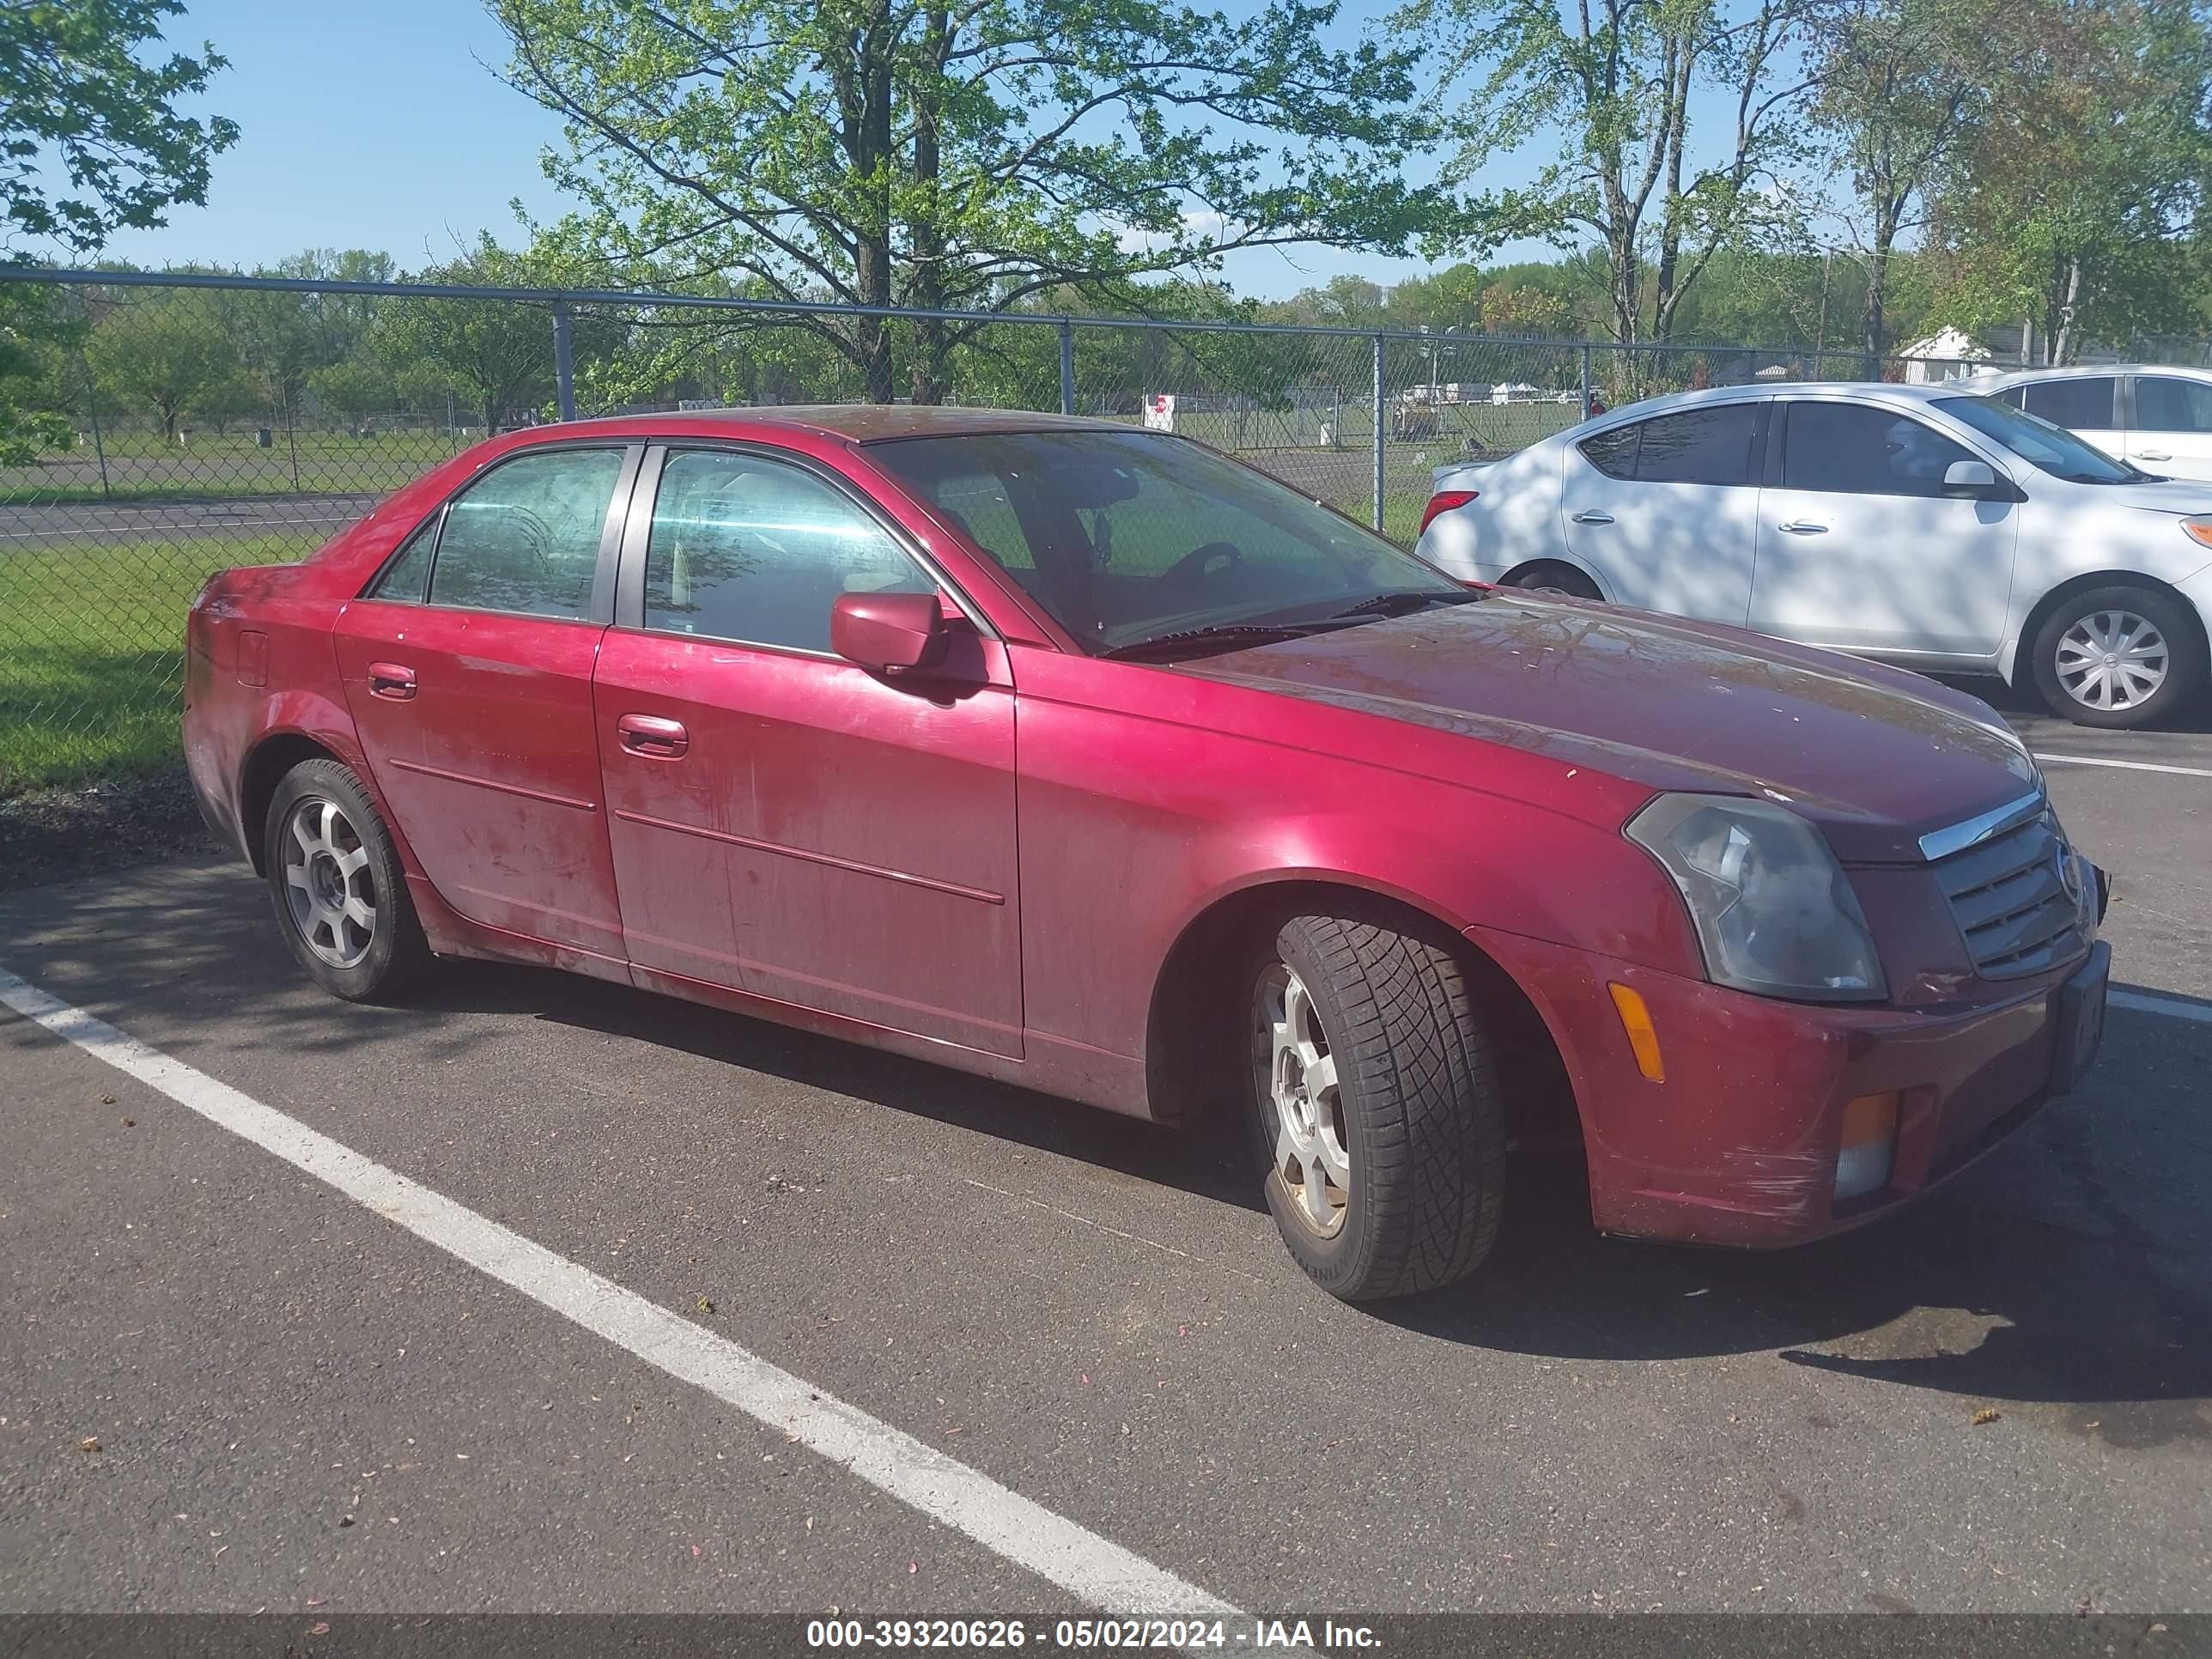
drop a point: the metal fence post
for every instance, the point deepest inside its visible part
(1379, 340)
(564, 361)
(1067, 366)
(1586, 379)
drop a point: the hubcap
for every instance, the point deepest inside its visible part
(1300, 1103)
(328, 887)
(2113, 660)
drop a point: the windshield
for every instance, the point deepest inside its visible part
(1125, 537)
(2052, 448)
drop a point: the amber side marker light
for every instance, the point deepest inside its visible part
(1642, 1036)
(1870, 1145)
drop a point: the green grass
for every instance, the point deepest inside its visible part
(144, 467)
(92, 654)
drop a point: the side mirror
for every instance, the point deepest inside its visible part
(1976, 480)
(889, 632)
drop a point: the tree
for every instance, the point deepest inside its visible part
(162, 352)
(1609, 85)
(498, 351)
(33, 333)
(967, 156)
(75, 95)
(1901, 85)
(1510, 308)
(74, 88)
(2079, 204)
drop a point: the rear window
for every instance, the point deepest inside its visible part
(1693, 445)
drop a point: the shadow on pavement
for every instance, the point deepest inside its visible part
(2071, 1268)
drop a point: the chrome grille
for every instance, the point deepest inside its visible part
(2010, 899)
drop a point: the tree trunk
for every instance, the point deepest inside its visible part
(2066, 339)
(927, 377)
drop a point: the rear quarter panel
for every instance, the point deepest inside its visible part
(1514, 518)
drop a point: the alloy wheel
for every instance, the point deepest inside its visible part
(328, 886)
(1301, 1104)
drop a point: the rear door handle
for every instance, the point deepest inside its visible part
(1591, 515)
(2154, 454)
(1803, 527)
(650, 736)
(390, 679)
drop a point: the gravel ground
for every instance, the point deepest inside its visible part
(58, 834)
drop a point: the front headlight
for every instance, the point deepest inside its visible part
(1773, 908)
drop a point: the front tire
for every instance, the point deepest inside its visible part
(2116, 657)
(1377, 1105)
(340, 896)
(1551, 576)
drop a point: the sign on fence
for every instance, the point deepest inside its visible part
(1159, 411)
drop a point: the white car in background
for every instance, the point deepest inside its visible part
(1920, 526)
(2158, 419)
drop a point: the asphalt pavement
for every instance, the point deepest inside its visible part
(305, 1401)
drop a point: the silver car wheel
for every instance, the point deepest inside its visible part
(328, 886)
(2113, 660)
(1301, 1105)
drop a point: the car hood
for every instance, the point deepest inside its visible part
(1875, 755)
(2179, 497)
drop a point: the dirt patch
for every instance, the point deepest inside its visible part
(60, 833)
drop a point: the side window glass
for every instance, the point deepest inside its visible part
(2166, 405)
(2081, 406)
(404, 580)
(1698, 445)
(1851, 449)
(756, 551)
(524, 537)
(1614, 452)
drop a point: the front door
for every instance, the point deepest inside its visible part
(1666, 510)
(1860, 548)
(784, 823)
(2170, 431)
(468, 670)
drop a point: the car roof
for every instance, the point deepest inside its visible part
(1889, 390)
(859, 423)
(2087, 372)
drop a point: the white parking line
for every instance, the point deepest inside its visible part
(2124, 765)
(2150, 1002)
(1093, 1569)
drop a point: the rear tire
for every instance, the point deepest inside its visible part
(1549, 576)
(2157, 659)
(340, 896)
(1376, 1106)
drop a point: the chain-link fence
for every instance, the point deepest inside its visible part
(156, 428)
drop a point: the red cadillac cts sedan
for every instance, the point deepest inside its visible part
(1087, 758)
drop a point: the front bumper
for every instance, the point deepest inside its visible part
(1738, 1145)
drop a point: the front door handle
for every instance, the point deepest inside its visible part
(390, 679)
(1803, 527)
(1591, 515)
(2154, 455)
(650, 736)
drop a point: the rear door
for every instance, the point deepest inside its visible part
(2170, 427)
(2087, 405)
(468, 671)
(1859, 547)
(1666, 510)
(784, 823)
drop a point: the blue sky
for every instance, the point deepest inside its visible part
(378, 125)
